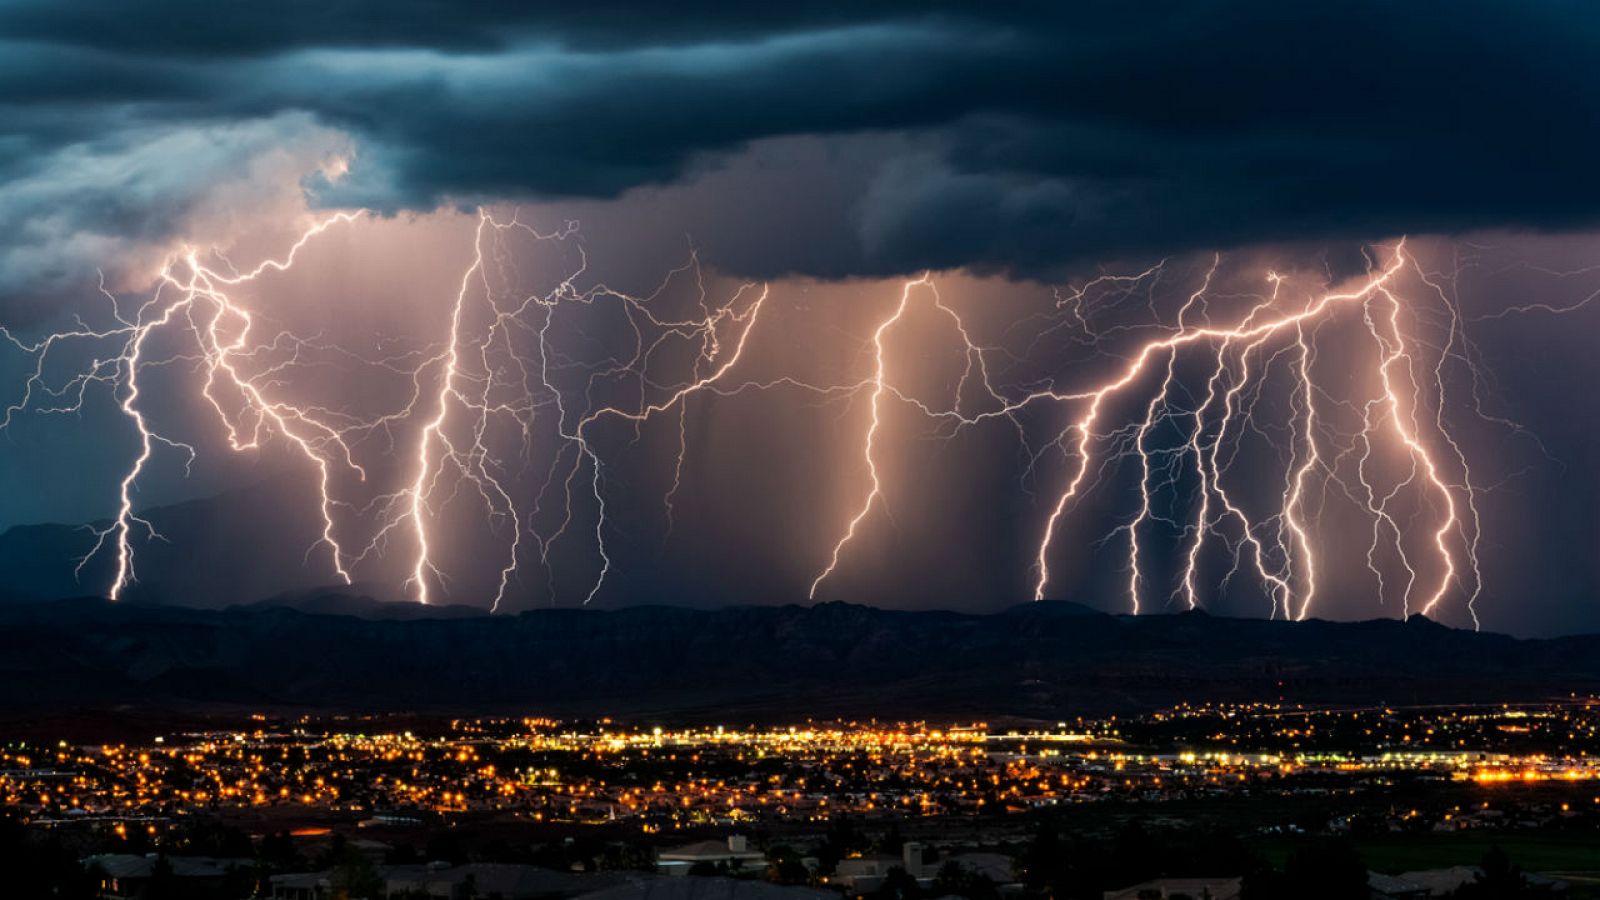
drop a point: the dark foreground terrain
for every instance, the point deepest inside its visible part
(1045, 661)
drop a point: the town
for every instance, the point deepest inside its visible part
(855, 807)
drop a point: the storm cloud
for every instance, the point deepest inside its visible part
(1018, 138)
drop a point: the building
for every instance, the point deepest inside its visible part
(507, 882)
(651, 887)
(1444, 882)
(732, 855)
(1180, 889)
(997, 867)
(299, 886)
(439, 881)
(125, 876)
(861, 874)
(1391, 887)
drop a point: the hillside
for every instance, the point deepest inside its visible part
(1046, 661)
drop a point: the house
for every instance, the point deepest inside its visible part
(1390, 887)
(299, 886)
(651, 887)
(1444, 882)
(731, 855)
(503, 881)
(997, 867)
(125, 876)
(861, 874)
(437, 881)
(1180, 889)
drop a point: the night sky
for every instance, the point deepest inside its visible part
(664, 387)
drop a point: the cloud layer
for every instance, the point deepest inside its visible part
(1018, 138)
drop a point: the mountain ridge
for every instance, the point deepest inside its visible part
(759, 663)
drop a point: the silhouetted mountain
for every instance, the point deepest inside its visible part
(1044, 661)
(214, 553)
(340, 600)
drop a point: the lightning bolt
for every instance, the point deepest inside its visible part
(505, 377)
(190, 298)
(471, 389)
(475, 381)
(1281, 549)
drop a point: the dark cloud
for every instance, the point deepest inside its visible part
(207, 29)
(1027, 136)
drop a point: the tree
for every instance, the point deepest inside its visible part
(446, 846)
(402, 854)
(163, 881)
(955, 879)
(279, 853)
(354, 877)
(1044, 859)
(207, 837)
(1138, 854)
(626, 857)
(40, 865)
(1325, 870)
(1062, 868)
(785, 866)
(898, 885)
(841, 840)
(1500, 880)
